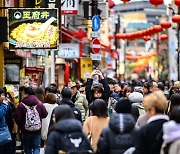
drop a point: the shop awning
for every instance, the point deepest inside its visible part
(68, 35)
(80, 36)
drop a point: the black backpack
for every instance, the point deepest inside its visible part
(74, 143)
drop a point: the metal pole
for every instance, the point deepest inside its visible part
(178, 50)
(94, 11)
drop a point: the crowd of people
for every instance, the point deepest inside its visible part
(101, 116)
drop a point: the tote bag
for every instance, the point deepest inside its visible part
(5, 135)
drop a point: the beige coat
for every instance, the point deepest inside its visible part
(95, 125)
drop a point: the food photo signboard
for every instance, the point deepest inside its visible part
(33, 28)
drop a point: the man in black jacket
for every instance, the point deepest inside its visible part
(66, 94)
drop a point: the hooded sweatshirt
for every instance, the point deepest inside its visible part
(118, 136)
(20, 114)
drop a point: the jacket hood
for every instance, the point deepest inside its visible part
(30, 100)
(121, 123)
(68, 126)
(67, 101)
(171, 131)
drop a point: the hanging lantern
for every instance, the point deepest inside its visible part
(111, 3)
(156, 2)
(67, 73)
(176, 18)
(130, 36)
(166, 24)
(121, 36)
(163, 37)
(177, 2)
(146, 38)
(157, 29)
(125, 1)
(110, 37)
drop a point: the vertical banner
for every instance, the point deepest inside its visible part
(86, 67)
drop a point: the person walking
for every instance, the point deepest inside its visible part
(94, 124)
(66, 134)
(28, 116)
(149, 137)
(171, 133)
(51, 103)
(66, 94)
(79, 99)
(5, 143)
(119, 135)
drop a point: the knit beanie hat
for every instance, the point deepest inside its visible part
(135, 97)
(123, 106)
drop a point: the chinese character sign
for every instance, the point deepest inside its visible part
(33, 28)
(86, 68)
(69, 6)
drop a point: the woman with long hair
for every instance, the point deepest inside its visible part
(94, 124)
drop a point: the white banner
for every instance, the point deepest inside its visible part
(68, 50)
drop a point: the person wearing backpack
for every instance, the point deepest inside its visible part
(28, 116)
(66, 135)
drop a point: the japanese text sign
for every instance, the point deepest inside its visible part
(33, 28)
(68, 51)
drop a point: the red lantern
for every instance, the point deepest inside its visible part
(121, 36)
(166, 24)
(157, 29)
(146, 38)
(156, 2)
(125, 1)
(111, 3)
(177, 2)
(163, 37)
(176, 18)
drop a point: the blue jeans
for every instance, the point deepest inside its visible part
(32, 144)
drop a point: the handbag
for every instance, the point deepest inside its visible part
(5, 135)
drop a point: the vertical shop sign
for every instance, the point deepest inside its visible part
(86, 67)
(69, 6)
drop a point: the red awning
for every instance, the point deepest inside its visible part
(80, 36)
(68, 35)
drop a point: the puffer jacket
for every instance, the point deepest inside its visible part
(82, 103)
(118, 136)
(58, 137)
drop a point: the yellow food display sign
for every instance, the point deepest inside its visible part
(33, 28)
(86, 67)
